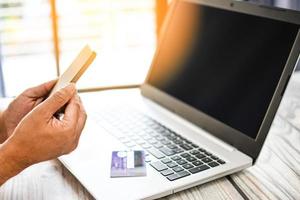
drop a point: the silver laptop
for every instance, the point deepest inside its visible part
(205, 108)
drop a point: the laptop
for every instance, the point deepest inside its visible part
(204, 111)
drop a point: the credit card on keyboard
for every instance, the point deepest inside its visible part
(128, 164)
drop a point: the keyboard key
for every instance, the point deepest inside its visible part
(181, 162)
(200, 156)
(185, 155)
(152, 141)
(148, 159)
(159, 128)
(167, 172)
(146, 146)
(194, 152)
(154, 125)
(166, 160)
(172, 146)
(167, 152)
(124, 139)
(140, 133)
(178, 141)
(146, 137)
(197, 163)
(178, 175)
(158, 166)
(202, 150)
(134, 137)
(178, 150)
(165, 142)
(156, 153)
(177, 169)
(214, 157)
(199, 169)
(154, 134)
(130, 144)
(176, 158)
(185, 146)
(187, 141)
(213, 164)
(208, 153)
(190, 159)
(158, 145)
(194, 145)
(172, 137)
(140, 141)
(173, 177)
(165, 132)
(159, 138)
(206, 160)
(183, 174)
(187, 166)
(221, 161)
(172, 164)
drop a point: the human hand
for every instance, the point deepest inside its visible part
(40, 136)
(22, 105)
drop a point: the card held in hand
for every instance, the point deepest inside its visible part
(128, 164)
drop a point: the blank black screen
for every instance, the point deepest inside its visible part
(223, 63)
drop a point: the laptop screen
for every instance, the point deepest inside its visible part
(223, 63)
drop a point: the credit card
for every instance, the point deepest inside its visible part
(128, 164)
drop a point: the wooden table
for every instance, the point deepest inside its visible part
(276, 175)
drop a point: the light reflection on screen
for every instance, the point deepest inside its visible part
(223, 63)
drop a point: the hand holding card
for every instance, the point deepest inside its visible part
(74, 72)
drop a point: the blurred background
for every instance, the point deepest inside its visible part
(40, 38)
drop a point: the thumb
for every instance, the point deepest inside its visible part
(40, 90)
(56, 101)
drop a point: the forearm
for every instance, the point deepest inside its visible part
(10, 163)
(3, 134)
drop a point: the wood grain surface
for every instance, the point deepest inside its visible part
(276, 174)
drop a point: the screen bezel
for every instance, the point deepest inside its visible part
(224, 132)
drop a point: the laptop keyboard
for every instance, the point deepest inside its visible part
(167, 152)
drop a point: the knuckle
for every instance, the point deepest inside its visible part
(77, 105)
(26, 91)
(60, 96)
(83, 111)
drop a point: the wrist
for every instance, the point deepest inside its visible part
(11, 162)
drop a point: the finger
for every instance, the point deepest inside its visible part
(56, 101)
(82, 109)
(40, 90)
(81, 120)
(72, 112)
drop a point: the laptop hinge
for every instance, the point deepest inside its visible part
(221, 143)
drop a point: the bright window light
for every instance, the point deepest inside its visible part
(122, 32)
(26, 44)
